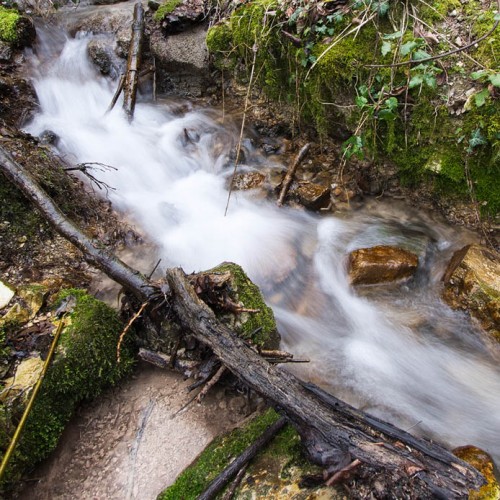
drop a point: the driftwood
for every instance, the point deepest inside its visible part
(241, 460)
(133, 62)
(334, 434)
(291, 172)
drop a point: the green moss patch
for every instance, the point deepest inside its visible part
(218, 455)
(8, 24)
(166, 8)
(84, 365)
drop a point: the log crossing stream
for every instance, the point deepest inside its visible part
(396, 352)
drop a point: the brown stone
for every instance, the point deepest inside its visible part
(248, 180)
(312, 196)
(381, 264)
(472, 283)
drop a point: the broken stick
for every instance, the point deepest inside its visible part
(291, 172)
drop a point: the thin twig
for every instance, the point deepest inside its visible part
(210, 383)
(118, 91)
(126, 329)
(291, 172)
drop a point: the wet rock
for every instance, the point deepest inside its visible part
(48, 137)
(312, 196)
(380, 264)
(6, 294)
(101, 53)
(26, 376)
(25, 33)
(181, 61)
(34, 297)
(175, 17)
(248, 180)
(484, 464)
(472, 283)
(5, 51)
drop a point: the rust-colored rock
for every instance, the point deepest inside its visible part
(484, 464)
(472, 283)
(381, 264)
(312, 196)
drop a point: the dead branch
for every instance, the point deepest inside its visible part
(85, 169)
(118, 91)
(133, 62)
(127, 328)
(291, 172)
(94, 254)
(184, 366)
(211, 383)
(240, 461)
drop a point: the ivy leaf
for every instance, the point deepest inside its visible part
(361, 101)
(383, 8)
(416, 81)
(497, 17)
(387, 115)
(420, 54)
(386, 48)
(430, 81)
(393, 36)
(480, 98)
(407, 47)
(476, 139)
(391, 103)
(495, 79)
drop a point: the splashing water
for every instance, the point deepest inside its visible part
(401, 354)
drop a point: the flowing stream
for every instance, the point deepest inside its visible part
(399, 352)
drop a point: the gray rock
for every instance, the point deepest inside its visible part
(181, 61)
(5, 51)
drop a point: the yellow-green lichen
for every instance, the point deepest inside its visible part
(8, 24)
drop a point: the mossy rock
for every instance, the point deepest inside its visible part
(166, 8)
(276, 468)
(256, 325)
(15, 29)
(83, 366)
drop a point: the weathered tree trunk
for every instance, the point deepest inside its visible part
(334, 433)
(133, 62)
(104, 260)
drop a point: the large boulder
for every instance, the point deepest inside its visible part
(181, 61)
(472, 283)
(381, 264)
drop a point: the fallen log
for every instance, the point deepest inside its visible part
(99, 257)
(133, 62)
(334, 434)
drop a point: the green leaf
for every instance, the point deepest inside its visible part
(416, 81)
(386, 48)
(420, 54)
(393, 36)
(495, 79)
(478, 74)
(407, 47)
(476, 139)
(430, 81)
(497, 17)
(361, 101)
(391, 103)
(363, 90)
(480, 98)
(383, 8)
(387, 115)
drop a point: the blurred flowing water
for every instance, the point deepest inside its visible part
(397, 352)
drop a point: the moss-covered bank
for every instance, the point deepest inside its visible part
(84, 365)
(9, 19)
(438, 120)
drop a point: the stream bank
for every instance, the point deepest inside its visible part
(307, 251)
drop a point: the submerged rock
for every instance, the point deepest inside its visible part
(380, 264)
(472, 283)
(484, 464)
